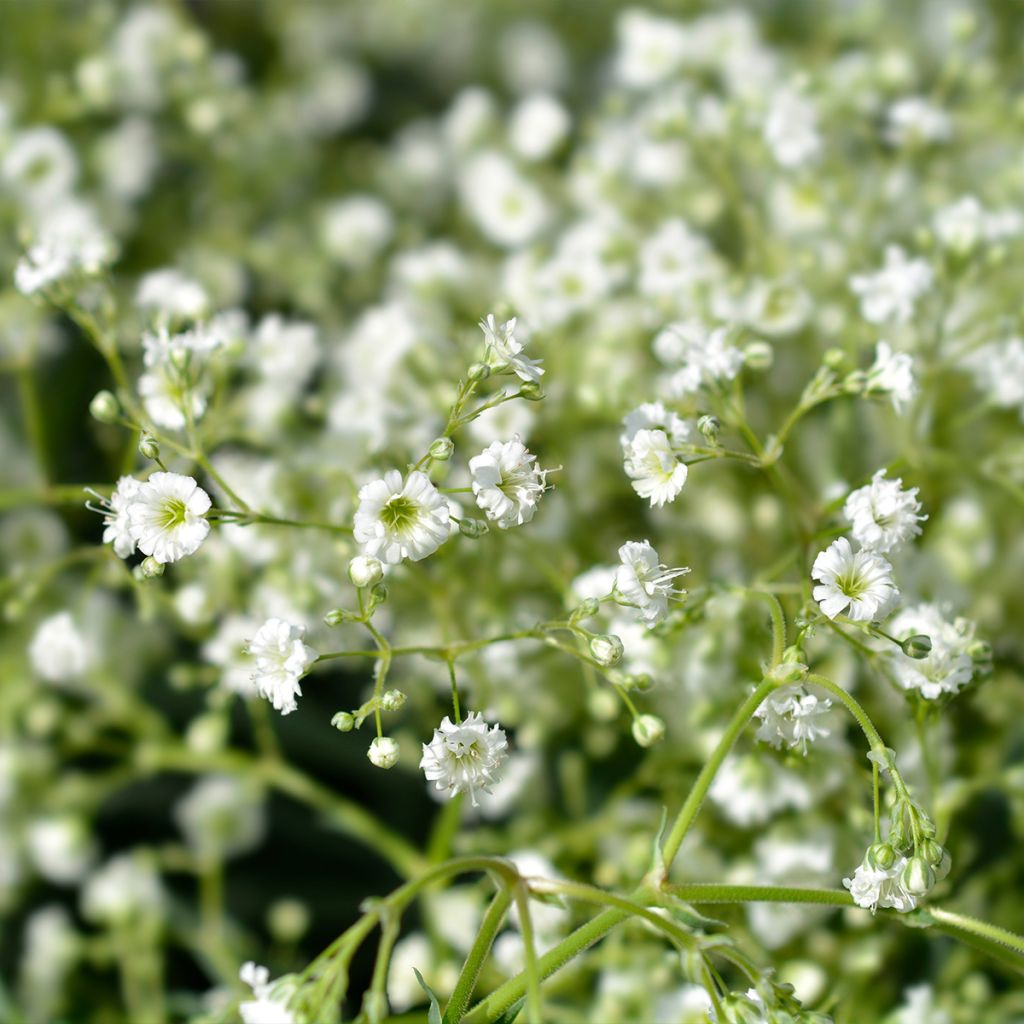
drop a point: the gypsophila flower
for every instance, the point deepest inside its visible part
(791, 129)
(883, 516)
(383, 752)
(116, 521)
(507, 350)
(654, 416)
(221, 816)
(269, 1005)
(68, 243)
(704, 357)
(58, 651)
(166, 516)
(890, 294)
(652, 465)
(892, 373)
(948, 666)
(915, 119)
(171, 296)
(127, 887)
(282, 659)
(790, 717)
(998, 370)
(464, 757)
(873, 886)
(399, 519)
(507, 483)
(642, 582)
(858, 582)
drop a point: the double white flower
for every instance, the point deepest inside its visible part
(464, 757)
(399, 518)
(643, 583)
(282, 659)
(507, 483)
(882, 514)
(505, 349)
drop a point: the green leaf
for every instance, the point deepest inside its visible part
(434, 1016)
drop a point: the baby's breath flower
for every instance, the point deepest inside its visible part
(889, 295)
(269, 1005)
(859, 582)
(653, 466)
(644, 583)
(505, 349)
(166, 516)
(58, 651)
(464, 757)
(507, 484)
(789, 717)
(399, 519)
(874, 886)
(947, 667)
(892, 373)
(383, 752)
(282, 659)
(882, 514)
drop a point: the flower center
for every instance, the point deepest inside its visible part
(851, 585)
(172, 513)
(399, 513)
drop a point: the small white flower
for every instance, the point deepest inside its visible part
(644, 583)
(399, 519)
(270, 1005)
(892, 373)
(791, 129)
(704, 357)
(914, 119)
(649, 48)
(507, 349)
(282, 659)
(653, 467)
(654, 416)
(538, 126)
(383, 752)
(124, 888)
(874, 887)
(67, 242)
(61, 848)
(170, 295)
(58, 651)
(464, 757)
(860, 582)
(882, 514)
(789, 718)
(221, 816)
(166, 516)
(998, 370)
(948, 667)
(116, 522)
(889, 294)
(507, 484)
(674, 259)
(507, 207)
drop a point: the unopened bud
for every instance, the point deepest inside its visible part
(917, 646)
(932, 851)
(343, 721)
(151, 568)
(531, 391)
(479, 371)
(472, 528)
(104, 407)
(378, 595)
(880, 856)
(149, 448)
(586, 609)
(917, 877)
(758, 355)
(336, 616)
(607, 649)
(392, 700)
(365, 571)
(288, 920)
(787, 672)
(709, 426)
(835, 359)
(383, 752)
(647, 730)
(441, 450)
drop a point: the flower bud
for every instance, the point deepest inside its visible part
(787, 672)
(149, 448)
(835, 358)
(917, 877)
(607, 649)
(585, 610)
(531, 391)
(602, 705)
(392, 700)
(932, 851)
(378, 595)
(479, 371)
(709, 426)
(441, 450)
(880, 856)
(383, 752)
(151, 568)
(104, 407)
(647, 730)
(365, 571)
(375, 1006)
(917, 646)
(472, 528)
(758, 355)
(641, 682)
(343, 721)
(288, 920)
(336, 616)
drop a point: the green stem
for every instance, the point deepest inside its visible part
(688, 812)
(470, 973)
(713, 892)
(982, 929)
(534, 1007)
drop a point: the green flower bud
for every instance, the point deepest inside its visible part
(531, 391)
(392, 700)
(932, 851)
(104, 407)
(288, 920)
(378, 595)
(709, 426)
(648, 730)
(365, 571)
(880, 856)
(585, 610)
(917, 646)
(479, 371)
(441, 450)
(151, 568)
(787, 672)
(343, 721)
(758, 355)
(472, 528)
(834, 358)
(149, 448)
(607, 649)
(336, 616)
(917, 877)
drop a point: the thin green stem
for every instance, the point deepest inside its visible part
(534, 1007)
(455, 691)
(475, 959)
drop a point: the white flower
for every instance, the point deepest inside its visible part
(914, 119)
(704, 357)
(282, 659)
(892, 373)
(789, 718)
(61, 848)
(538, 126)
(58, 651)
(948, 667)
(166, 516)
(860, 582)
(674, 259)
(654, 416)
(507, 484)
(960, 226)
(653, 467)
(67, 242)
(882, 514)
(221, 816)
(998, 369)
(270, 1005)
(464, 757)
(169, 400)
(791, 129)
(40, 166)
(125, 887)
(171, 295)
(889, 294)
(116, 522)
(506, 207)
(874, 887)
(644, 583)
(503, 344)
(354, 230)
(383, 752)
(399, 519)
(650, 48)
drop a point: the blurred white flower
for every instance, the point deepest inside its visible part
(58, 651)
(892, 373)
(890, 294)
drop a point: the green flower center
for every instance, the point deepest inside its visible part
(172, 513)
(851, 586)
(399, 513)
